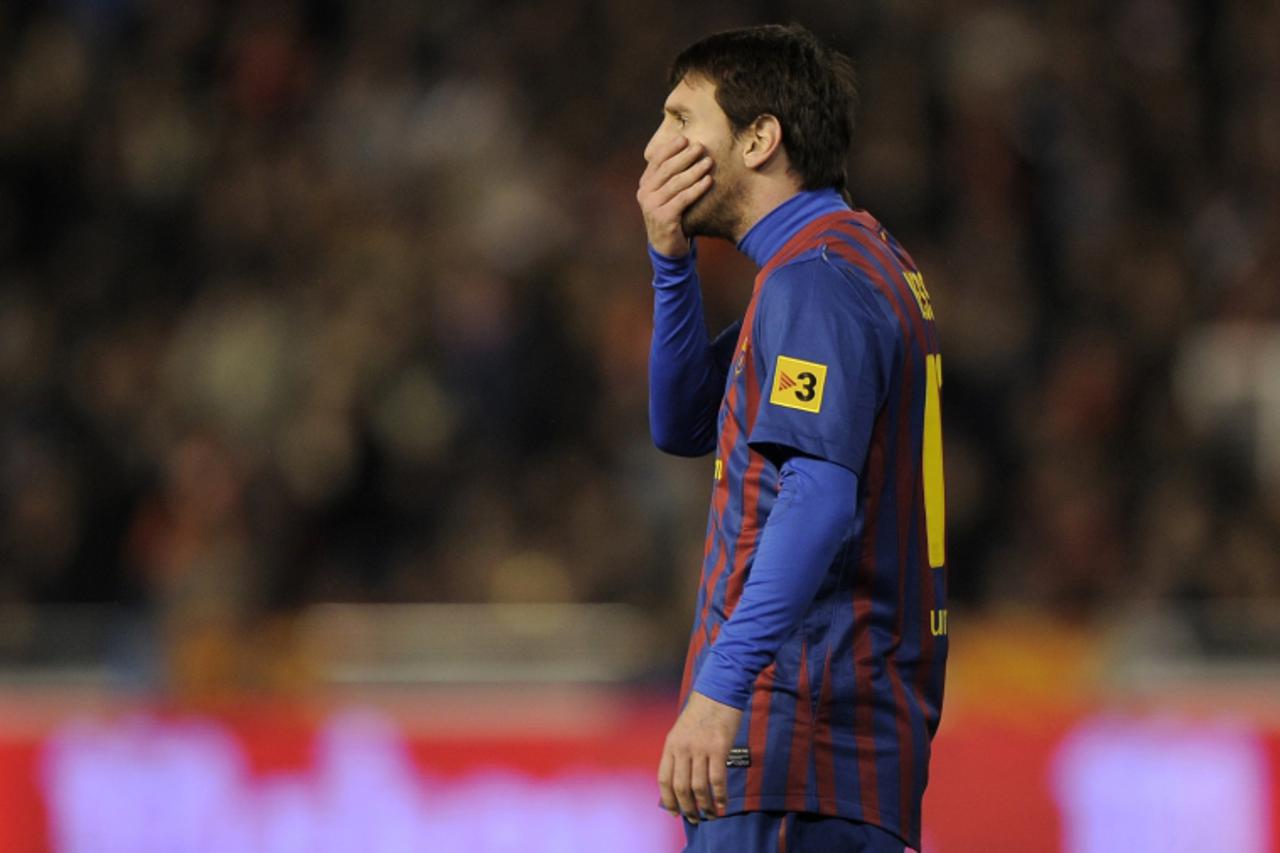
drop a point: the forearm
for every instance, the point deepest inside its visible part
(685, 380)
(814, 513)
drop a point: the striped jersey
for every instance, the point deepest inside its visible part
(837, 358)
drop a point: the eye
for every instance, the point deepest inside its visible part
(681, 121)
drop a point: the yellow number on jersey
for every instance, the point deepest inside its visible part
(935, 513)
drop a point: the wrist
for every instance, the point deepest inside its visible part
(672, 267)
(670, 244)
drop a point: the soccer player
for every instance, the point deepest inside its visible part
(813, 683)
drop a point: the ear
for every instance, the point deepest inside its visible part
(761, 140)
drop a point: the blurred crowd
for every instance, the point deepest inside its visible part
(310, 301)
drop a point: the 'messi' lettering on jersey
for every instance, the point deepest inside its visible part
(916, 282)
(798, 384)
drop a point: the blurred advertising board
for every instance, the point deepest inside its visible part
(1051, 740)
(502, 771)
(488, 771)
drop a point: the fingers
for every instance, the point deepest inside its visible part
(675, 165)
(688, 196)
(674, 786)
(719, 778)
(660, 171)
(701, 787)
(670, 147)
(682, 785)
(681, 181)
(666, 769)
(662, 154)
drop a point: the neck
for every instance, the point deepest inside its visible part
(761, 202)
(770, 230)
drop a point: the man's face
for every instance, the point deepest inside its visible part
(691, 111)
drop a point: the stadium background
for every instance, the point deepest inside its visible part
(328, 513)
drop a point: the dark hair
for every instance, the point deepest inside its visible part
(783, 71)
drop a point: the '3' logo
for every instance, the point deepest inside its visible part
(798, 384)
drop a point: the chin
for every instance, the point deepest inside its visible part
(709, 216)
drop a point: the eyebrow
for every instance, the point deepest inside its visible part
(676, 108)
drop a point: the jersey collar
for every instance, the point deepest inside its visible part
(779, 225)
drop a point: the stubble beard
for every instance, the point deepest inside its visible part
(718, 213)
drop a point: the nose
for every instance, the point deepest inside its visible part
(655, 142)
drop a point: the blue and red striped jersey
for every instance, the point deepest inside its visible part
(837, 358)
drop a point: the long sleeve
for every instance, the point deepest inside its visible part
(812, 516)
(686, 370)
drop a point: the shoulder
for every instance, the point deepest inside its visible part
(819, 282)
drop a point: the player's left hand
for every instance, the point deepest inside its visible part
(691, 775)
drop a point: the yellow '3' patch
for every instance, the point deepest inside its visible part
(798, 384)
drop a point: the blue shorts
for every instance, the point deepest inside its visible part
(788, 832)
